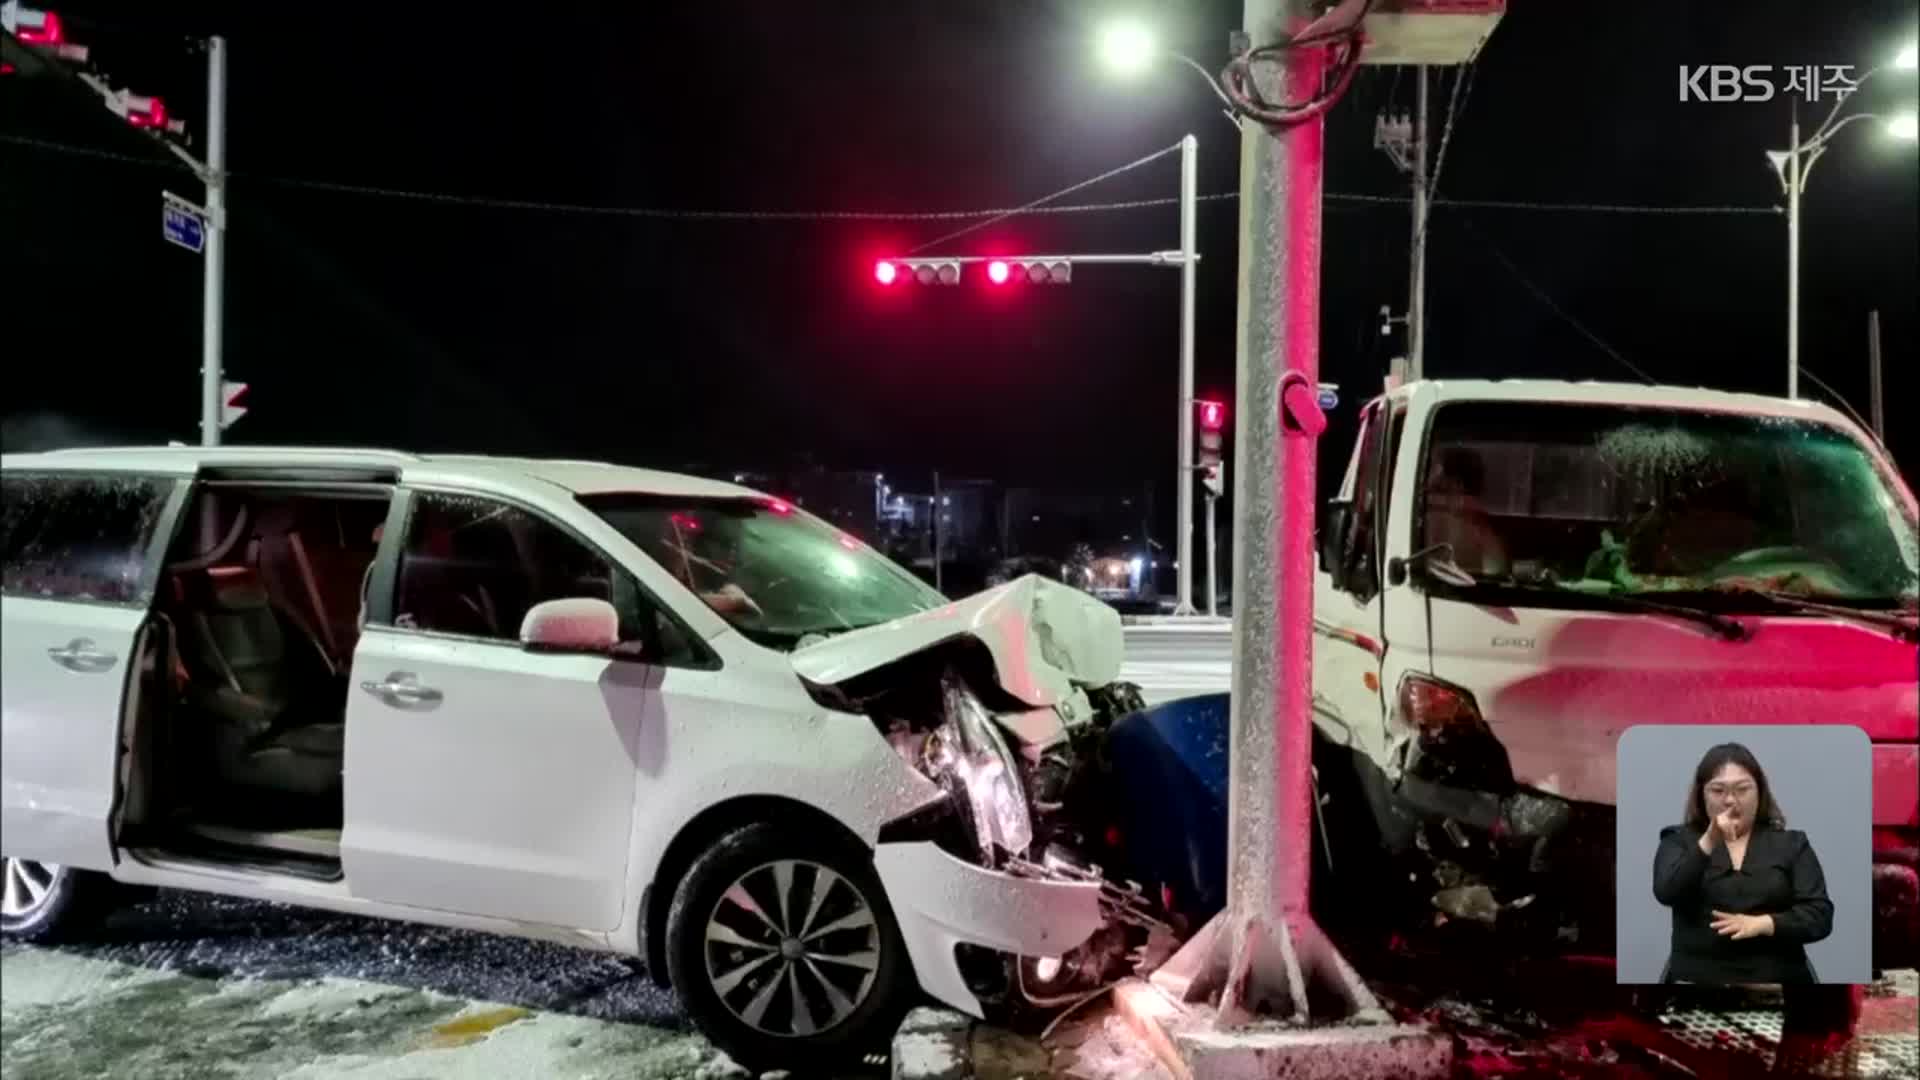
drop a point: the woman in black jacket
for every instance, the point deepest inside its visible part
(1747, 892)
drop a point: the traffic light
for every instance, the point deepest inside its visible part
(1213, 425)
(919, 271)
(41, 29)
(1010, 271)
(1030, 271)
(1214, 477)
(145, 111)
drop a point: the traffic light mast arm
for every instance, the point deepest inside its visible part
(112, 100)
(1152, 258)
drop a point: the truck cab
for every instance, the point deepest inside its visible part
(1515, 572)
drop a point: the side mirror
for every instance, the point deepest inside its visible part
(575, 624)
(1329, 543)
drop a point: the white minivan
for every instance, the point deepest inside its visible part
(618, 709)
(1514, 572)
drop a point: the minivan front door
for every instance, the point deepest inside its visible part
(483, 778)
(81, 553)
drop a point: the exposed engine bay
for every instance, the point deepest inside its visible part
(1028, 795)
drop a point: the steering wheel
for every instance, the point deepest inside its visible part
(1787, 554)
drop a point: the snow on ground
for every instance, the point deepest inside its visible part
(208, 987)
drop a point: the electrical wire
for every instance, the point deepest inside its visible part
(671, 214)
(1456, 105)
(1541, 295)
(1346, 40)
(1044, 199)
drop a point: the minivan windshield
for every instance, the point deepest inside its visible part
(1720, 509)
(776, 573)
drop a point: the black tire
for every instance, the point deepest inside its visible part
(73, 900)
(751, 855)
(1353, 882)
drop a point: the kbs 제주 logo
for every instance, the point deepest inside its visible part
(1762, 82)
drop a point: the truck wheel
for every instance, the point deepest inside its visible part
(782, 946)
(43, 900)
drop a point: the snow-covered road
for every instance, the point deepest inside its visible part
(193, 986)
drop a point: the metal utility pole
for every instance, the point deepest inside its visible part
(1189, 205)
(938, 580)
(1417, 288)
(212, 315)
(1876, 405)
(1213, 556)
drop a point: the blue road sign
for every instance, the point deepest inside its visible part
(1329, 396)
(183, 225)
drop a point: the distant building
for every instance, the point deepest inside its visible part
(852, 499)
(966, 517)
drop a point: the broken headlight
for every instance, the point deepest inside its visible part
(968, 754)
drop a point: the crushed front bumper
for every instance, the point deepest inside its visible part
(940, 902)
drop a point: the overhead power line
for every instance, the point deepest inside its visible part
(992, 215)
(1548, 301)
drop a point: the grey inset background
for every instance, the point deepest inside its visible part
(1822, 777)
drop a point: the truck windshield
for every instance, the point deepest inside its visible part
(776, 573)
(1617, 499)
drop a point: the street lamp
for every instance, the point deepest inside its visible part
(1793, 165)
(1127, 47)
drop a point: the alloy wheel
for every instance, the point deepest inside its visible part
(792, 948)
(28, 885)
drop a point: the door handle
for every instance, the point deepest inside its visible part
(81, 655)
(402, 690)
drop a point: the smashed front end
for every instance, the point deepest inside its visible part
(1004, 701)
(1482, 846)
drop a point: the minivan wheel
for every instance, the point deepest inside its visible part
(42, 900)
(782, 947)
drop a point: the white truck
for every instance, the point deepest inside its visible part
(1515, 572)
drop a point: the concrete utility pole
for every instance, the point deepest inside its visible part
(1794, 179)
(213, 280)
(1417, 286)
(1264, 956)
(1876, 406)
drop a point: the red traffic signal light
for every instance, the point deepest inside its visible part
(39, 28)
(998, 272)
(919, 271)
(1213, 415)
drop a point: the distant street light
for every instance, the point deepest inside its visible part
(1793, 165)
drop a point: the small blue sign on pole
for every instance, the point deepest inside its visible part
(182, 223)
(1329, 394)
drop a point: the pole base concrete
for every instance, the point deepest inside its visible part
(1190, 1044)
(1272, 997)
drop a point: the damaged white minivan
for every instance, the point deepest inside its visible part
(613, 708)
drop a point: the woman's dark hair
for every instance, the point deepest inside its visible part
(1717, 758)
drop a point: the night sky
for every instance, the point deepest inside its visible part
(370, 320)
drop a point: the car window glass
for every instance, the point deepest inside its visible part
(474, 566)
(74, 537)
